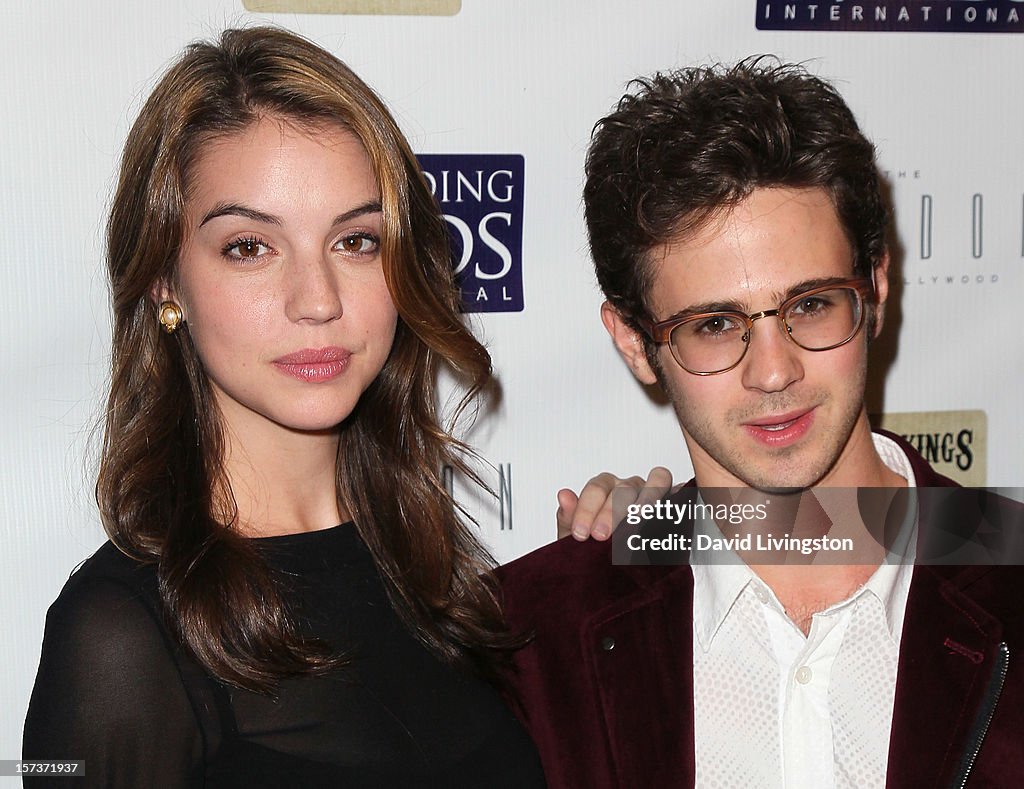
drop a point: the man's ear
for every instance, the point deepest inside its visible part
(629, 343)
(880, 275)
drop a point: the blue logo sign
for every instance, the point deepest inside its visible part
(481, 196)
(922, 16)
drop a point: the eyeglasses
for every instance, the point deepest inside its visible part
(819, 319)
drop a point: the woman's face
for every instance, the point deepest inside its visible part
(280, 276)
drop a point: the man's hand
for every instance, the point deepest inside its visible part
(590, 513)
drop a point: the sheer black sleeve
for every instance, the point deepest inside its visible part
(109, 692)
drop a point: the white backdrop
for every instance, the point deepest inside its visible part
(525, 77)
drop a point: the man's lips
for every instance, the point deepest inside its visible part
(314, 364)
(778, 419)
(780, 429)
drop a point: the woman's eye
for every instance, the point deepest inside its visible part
(243, 248)
(359, 244)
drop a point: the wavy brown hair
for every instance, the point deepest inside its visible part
(162, 490)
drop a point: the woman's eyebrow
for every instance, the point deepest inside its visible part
(237, 209)
(369, 207)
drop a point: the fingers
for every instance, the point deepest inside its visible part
(591, 514)
(566, 510)
(657, 486)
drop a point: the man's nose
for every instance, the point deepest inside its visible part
(772, 361)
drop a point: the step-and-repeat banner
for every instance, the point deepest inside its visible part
(498, 98)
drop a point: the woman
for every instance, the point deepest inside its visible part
(282, 302)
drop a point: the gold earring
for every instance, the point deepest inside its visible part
(170, 316)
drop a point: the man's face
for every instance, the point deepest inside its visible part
(784, 417)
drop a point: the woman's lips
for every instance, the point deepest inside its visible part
(314, 365)
(781, 430)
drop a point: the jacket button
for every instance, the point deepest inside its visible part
(607, 643)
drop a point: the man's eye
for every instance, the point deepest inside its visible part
(242, 248)
(812, 305)
(360, 244)
(714, 326)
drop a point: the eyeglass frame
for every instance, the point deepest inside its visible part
(660, 332)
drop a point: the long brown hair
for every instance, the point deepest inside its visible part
(162, 490)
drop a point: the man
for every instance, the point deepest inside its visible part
(738, 233)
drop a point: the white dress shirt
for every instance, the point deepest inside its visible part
(773, 708)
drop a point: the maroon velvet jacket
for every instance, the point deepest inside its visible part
(605, 688)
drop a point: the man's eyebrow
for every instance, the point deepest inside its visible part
(237, 209)
(809, 284)
(708, 306)
(737, 306)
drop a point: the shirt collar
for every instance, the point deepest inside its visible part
(716, 586)
(890, 583)
(716, 589)
(895, 458)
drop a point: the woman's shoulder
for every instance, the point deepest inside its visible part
(109, 606)
(111, 564)
(111, 585)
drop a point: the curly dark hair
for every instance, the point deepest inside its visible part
(681, 147)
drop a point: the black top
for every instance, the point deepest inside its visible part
(116, 691)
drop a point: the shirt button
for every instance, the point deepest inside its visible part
(607, 643)
(761, 595)
(804, 674)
